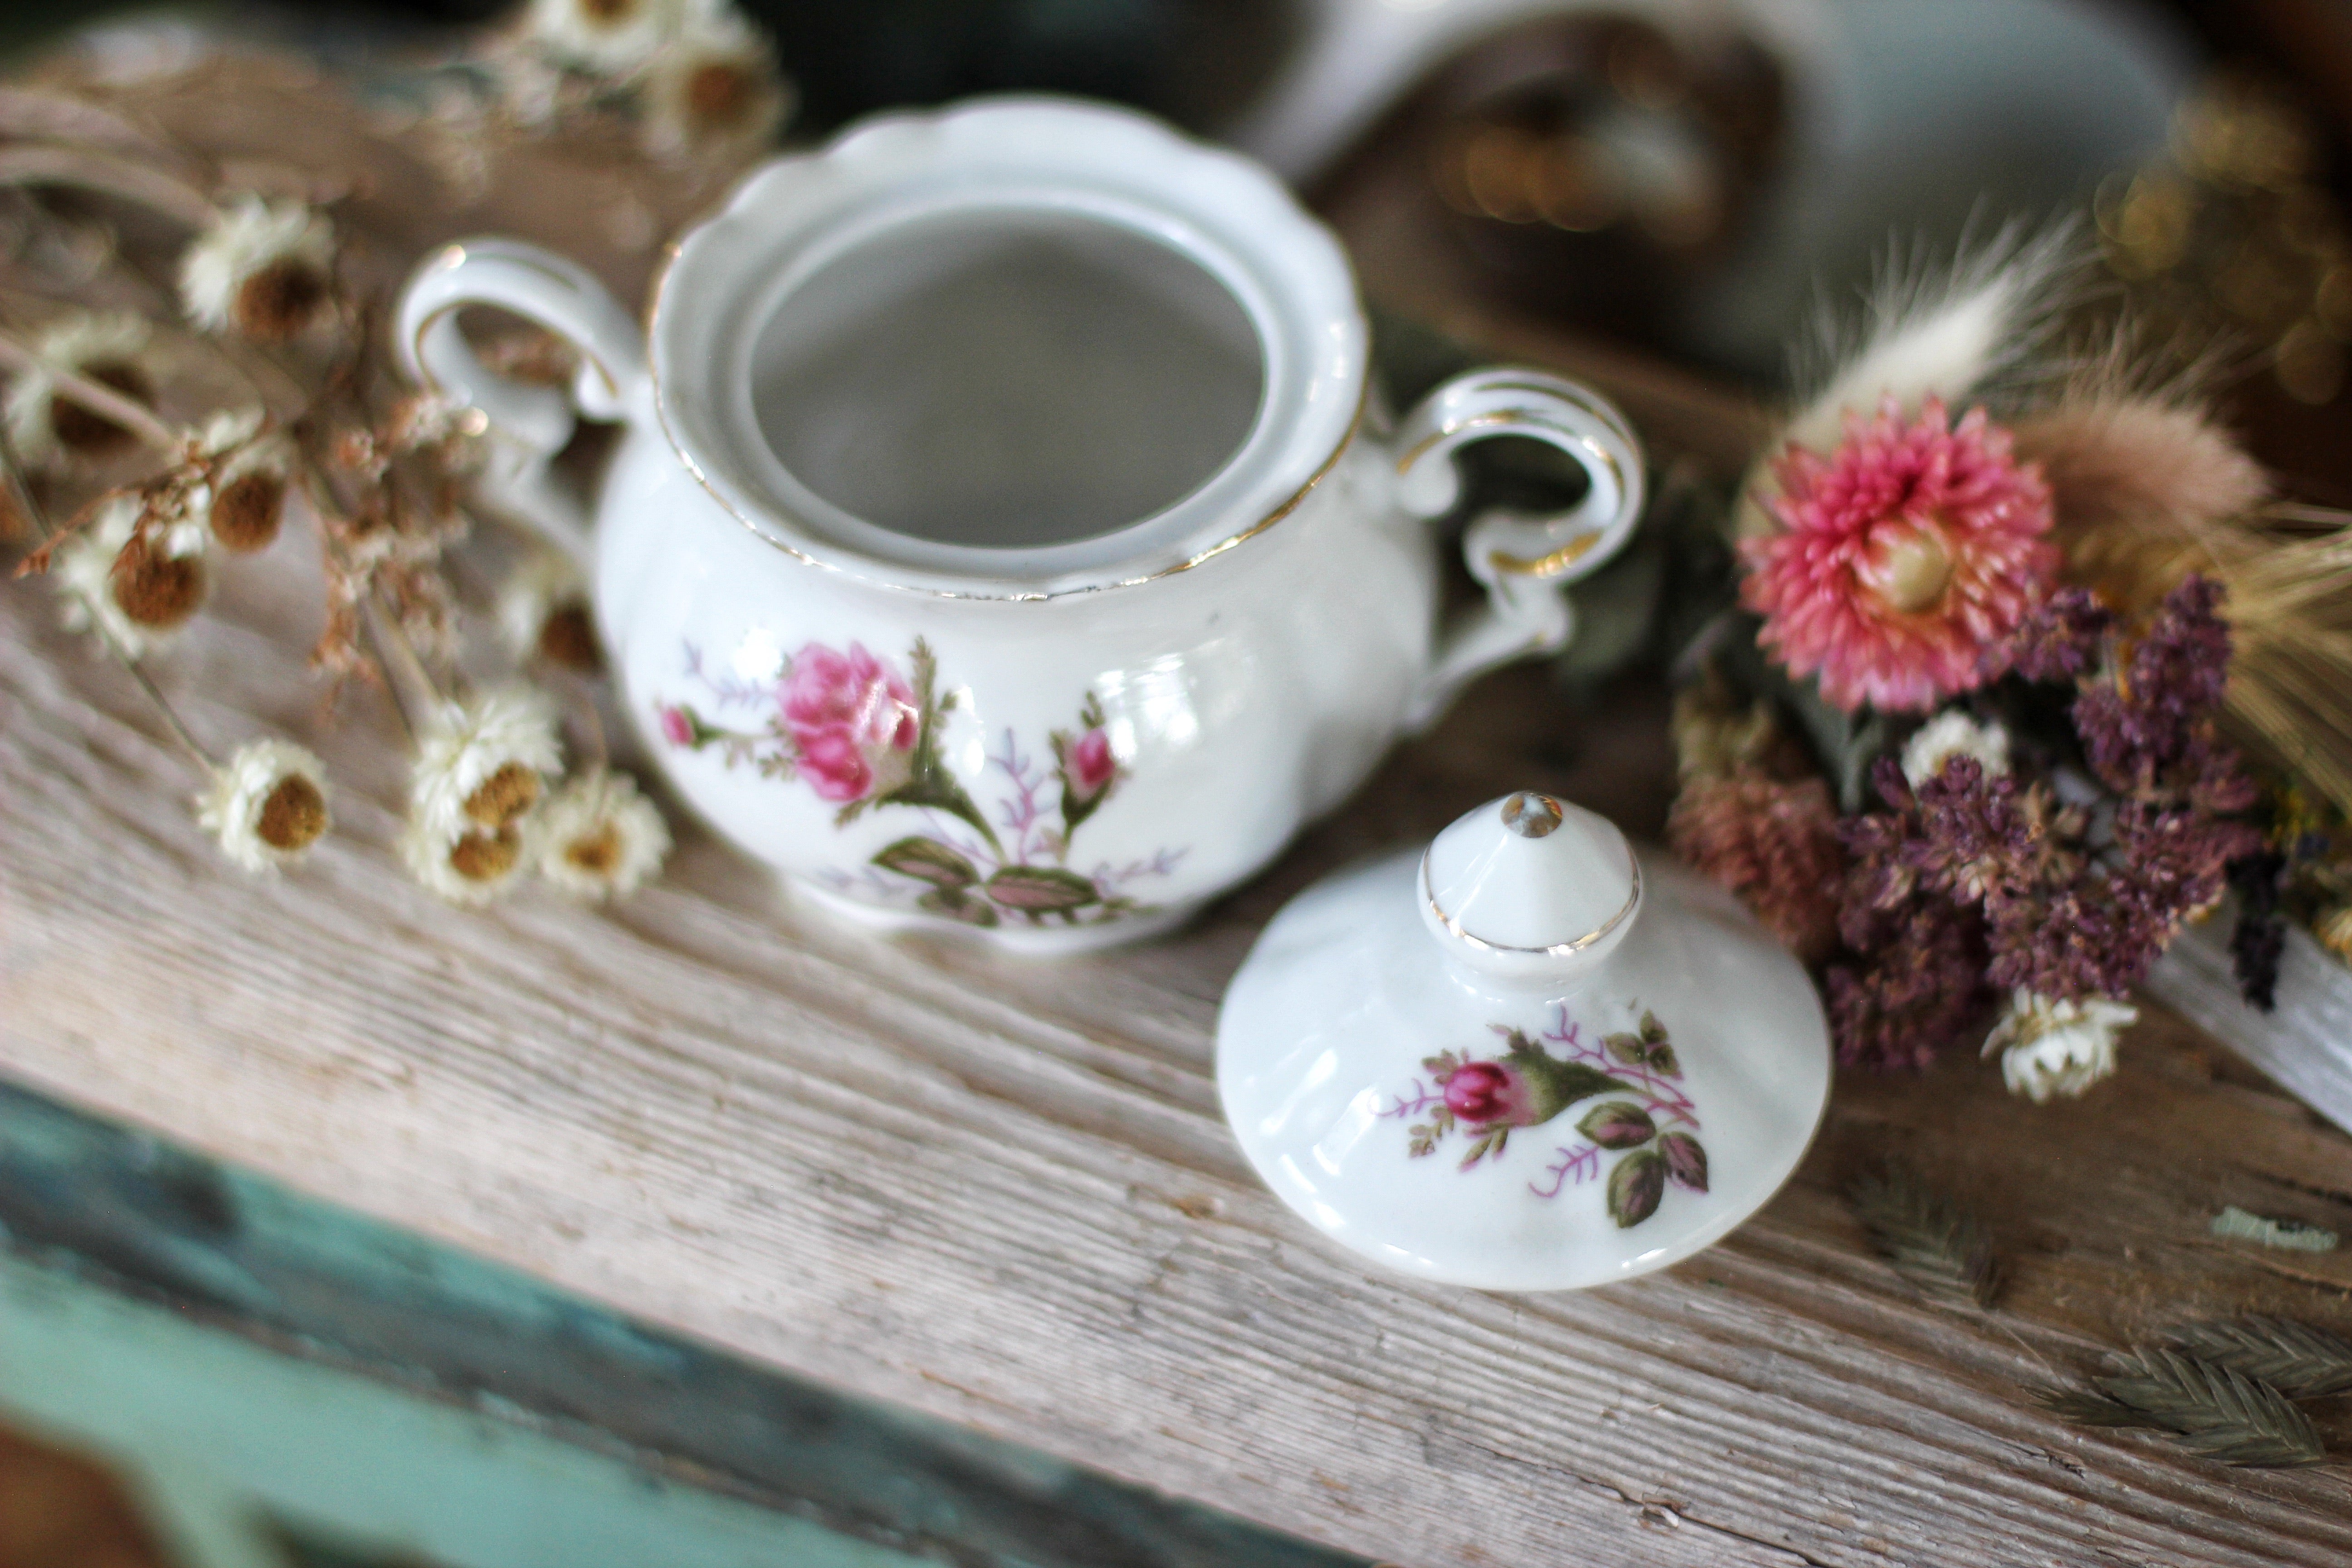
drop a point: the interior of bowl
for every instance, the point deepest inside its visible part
(1007, 378)
(1011, 349)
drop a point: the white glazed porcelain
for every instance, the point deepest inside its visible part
(1157, 590)
(1526, 1058)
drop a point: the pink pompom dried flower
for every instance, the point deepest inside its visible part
(1773, 844)
(1902, 559)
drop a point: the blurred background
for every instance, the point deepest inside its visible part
(1675, 183)
(1682, 177)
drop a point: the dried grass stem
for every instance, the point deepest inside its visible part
(94, 396)
(150, 187)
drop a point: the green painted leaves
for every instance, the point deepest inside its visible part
(928, 860)
(1619, 1124)
(957, 887)
(1041, 890)
(1647, 1047)
(1686, 1161)
(1618, 1092)
(1635, 1187)
(928, 782)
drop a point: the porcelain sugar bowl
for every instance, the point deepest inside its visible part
(1004, 533)
(1526, 1058)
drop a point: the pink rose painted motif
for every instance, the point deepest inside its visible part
(1091, 765)
(863, 737)
(1650, 1121)
(1084, 763)
(853, 721)
(1483, 1094)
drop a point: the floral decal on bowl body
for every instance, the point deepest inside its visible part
(1652, 1128)
(861, 737)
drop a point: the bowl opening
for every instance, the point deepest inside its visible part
(1007, 378)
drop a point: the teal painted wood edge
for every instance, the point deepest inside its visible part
(217, 1428)
(238, 1254)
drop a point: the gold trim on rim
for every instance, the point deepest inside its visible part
(1298, 498)
(1554, 950)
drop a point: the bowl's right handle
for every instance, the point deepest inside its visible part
(525, 425)
(1521, 560)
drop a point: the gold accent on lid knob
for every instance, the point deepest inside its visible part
(1531, 815)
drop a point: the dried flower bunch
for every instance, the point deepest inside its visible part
(694, 76)
(175, 407)
(1972, 743)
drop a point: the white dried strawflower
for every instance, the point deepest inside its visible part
(2052, 1048)
(481, 765)
(245, 502)
(714, 89)
(608, 37)
(1952, 734)
(471, 866)
(598, 838)
(47, 428)
(267, 806)
(128, 586)
(264, 268)
(543, 613)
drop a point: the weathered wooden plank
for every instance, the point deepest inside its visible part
(998, 1192)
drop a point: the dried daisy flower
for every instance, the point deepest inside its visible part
(266, 806)
(481, 765)
(599, 838)
(1953, 733)
(2054, 1047)
(45, 426)
(713, 89)
(127, 584)
(438, 427)
(471, 866)
(1902, 560)
(265, 269)
(543, 613)
(607, 38)
(245, 502)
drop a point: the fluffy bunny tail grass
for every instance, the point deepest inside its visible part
(1977, 326)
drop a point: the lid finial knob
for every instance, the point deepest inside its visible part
(1531, 815)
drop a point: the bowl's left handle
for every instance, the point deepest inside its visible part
(524, 426)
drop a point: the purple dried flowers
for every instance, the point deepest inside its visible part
(2060, 637)
(1977, 878)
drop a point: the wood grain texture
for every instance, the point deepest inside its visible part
(1001, 1192)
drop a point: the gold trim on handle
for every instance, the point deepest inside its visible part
(1556, 561)
(1549, 566)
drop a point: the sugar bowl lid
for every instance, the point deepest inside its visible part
(1528, 1057)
